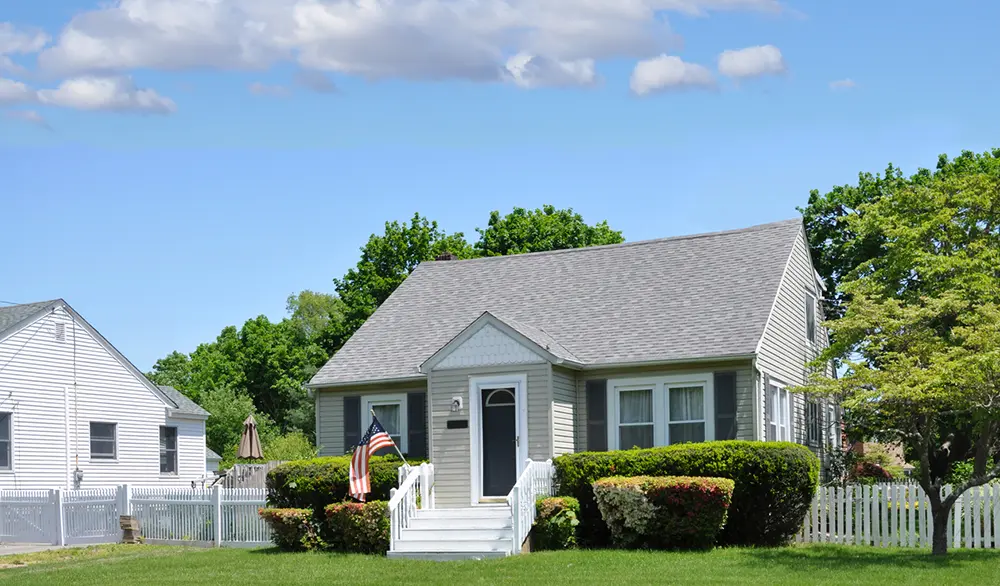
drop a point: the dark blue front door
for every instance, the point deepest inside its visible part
(499, 441)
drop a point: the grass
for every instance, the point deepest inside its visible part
(793, 565)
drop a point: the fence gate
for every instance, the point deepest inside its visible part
(91, 516)
(27, 516)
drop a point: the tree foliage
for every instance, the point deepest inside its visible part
(539, 230)
(920, 330)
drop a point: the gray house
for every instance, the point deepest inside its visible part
(481, 364)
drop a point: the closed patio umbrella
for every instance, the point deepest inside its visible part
(250, 442)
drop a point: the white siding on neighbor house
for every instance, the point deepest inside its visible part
(744, 391)
(489, 346)
(563, 405)
(51, 420)
(330, 411)
(451, 447)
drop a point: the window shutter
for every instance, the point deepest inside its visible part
(352, 422)
(597, 415)
(725, 405)
(416, 425)
(772, 432)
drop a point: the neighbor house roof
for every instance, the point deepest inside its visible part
(12, 316)
(181, 402)
(673, 299)
(211, 455)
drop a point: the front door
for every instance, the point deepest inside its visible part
(499, 441)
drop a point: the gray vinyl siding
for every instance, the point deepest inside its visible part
(744, 391)
(330, 411)
(450, 448)
(564, 400)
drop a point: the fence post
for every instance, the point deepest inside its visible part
(217, 514)
(59, 520)
(124, 500)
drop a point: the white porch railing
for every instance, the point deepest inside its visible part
(416, 491)
(535, 481)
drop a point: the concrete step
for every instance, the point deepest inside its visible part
(450, 534)
(421, 522)
(446, 556)
(452, 546)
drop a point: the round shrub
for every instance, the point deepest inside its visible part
(316, 483)
(673, 512)
(292, 529)
(357, 527)
(556, 520)
(775, 484)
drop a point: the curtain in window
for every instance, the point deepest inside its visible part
(388, 416)
(636, 417)
(687, 404)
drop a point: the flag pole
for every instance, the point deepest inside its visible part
(401, 457)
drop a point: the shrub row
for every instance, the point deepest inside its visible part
(347, 527)
(775, 483)
(292, 529)
(556, 520)
(664, 512)
(316, 483)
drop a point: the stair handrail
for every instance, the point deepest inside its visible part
(535, 481)
(416, 491)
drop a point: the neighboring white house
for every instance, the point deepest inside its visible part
(74, 411)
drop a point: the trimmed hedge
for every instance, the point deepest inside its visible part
(664, 512)
(775, 484)
(316, 483)
(357, 527)
(292, 529)
(556, 520)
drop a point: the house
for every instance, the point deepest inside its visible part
(75, 412)
(481, 364)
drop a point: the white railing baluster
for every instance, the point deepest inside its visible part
(415, 492)
(535, 481)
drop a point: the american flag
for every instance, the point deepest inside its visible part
(374, 440)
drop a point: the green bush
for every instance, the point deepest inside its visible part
(292, 529)
(357, 527)
(775, 484)
(556, 520)
(664, 512)
(316, 483)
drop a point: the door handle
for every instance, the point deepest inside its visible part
(517, 441)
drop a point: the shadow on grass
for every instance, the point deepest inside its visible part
(822, 558)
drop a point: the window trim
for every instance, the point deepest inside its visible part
(782, 394)
(814, 426)
(661, 416)
(400, 399)
(8, 441)
(176, 451)
(652, 411)
(90, 439)
(810, 328)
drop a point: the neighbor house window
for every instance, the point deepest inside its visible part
(6, 441)
(833, 437)
(814, 423)
(168, 450)
(810, 317)
(660, 411)
(391, 413)
(781, 413)
(103, 440)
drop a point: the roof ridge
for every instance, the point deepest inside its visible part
(754, 228)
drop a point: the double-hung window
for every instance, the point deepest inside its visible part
(168, 450)
(6, 441)
(103, 441)
(781, 413)
(687, 414)
(644, 413)
(635, 418)
(391, 413)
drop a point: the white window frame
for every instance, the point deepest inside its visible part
(653, 410)
(781, 418)
(8, 442)
(369, 401)
(90, 438)
(811, 303)
(176, 450)
(661, 405)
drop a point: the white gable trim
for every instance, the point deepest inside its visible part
(487, 341)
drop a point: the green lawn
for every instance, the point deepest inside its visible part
(794, 565)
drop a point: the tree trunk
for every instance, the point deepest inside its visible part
(940, 539)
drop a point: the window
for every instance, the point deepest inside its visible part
(833, 436)
(168, 450)
(6, 440)
(814, 423)
(781, 414)
(635, 423)
(810, 317)
(102, 441)
(391, 413)
(687, 415)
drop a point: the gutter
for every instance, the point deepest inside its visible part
(378, 381)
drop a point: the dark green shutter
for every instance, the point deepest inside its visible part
(725, 405)
(352, 422)
(597, 415)
(416, 425)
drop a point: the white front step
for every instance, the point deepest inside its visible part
(422, 522)
(452, 534)
(446, 556)
(447, 534)
(466, 513)
(450, 546)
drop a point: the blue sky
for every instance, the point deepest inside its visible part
(170, 167)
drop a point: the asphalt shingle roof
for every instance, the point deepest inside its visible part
(12, 315)
(679, 298)
(181, 402)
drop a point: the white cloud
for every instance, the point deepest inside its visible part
(531, 71)
(14, 40)
(29, 116)
(842, 84)
(415, 39)
(275, 91)
(15, 92)
(752, 62)
(316, 81)
(666, 73)
(115, 94)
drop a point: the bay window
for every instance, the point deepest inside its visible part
(660, 411)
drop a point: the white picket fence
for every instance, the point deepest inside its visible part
(217, 516)
(899, 515)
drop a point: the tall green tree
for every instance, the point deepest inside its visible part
(920, 331)
(540, 230)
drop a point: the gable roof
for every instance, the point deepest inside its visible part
(695, 297)
(15, 317)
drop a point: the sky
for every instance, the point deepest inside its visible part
(170, 167)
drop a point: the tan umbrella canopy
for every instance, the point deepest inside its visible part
(250, 442)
